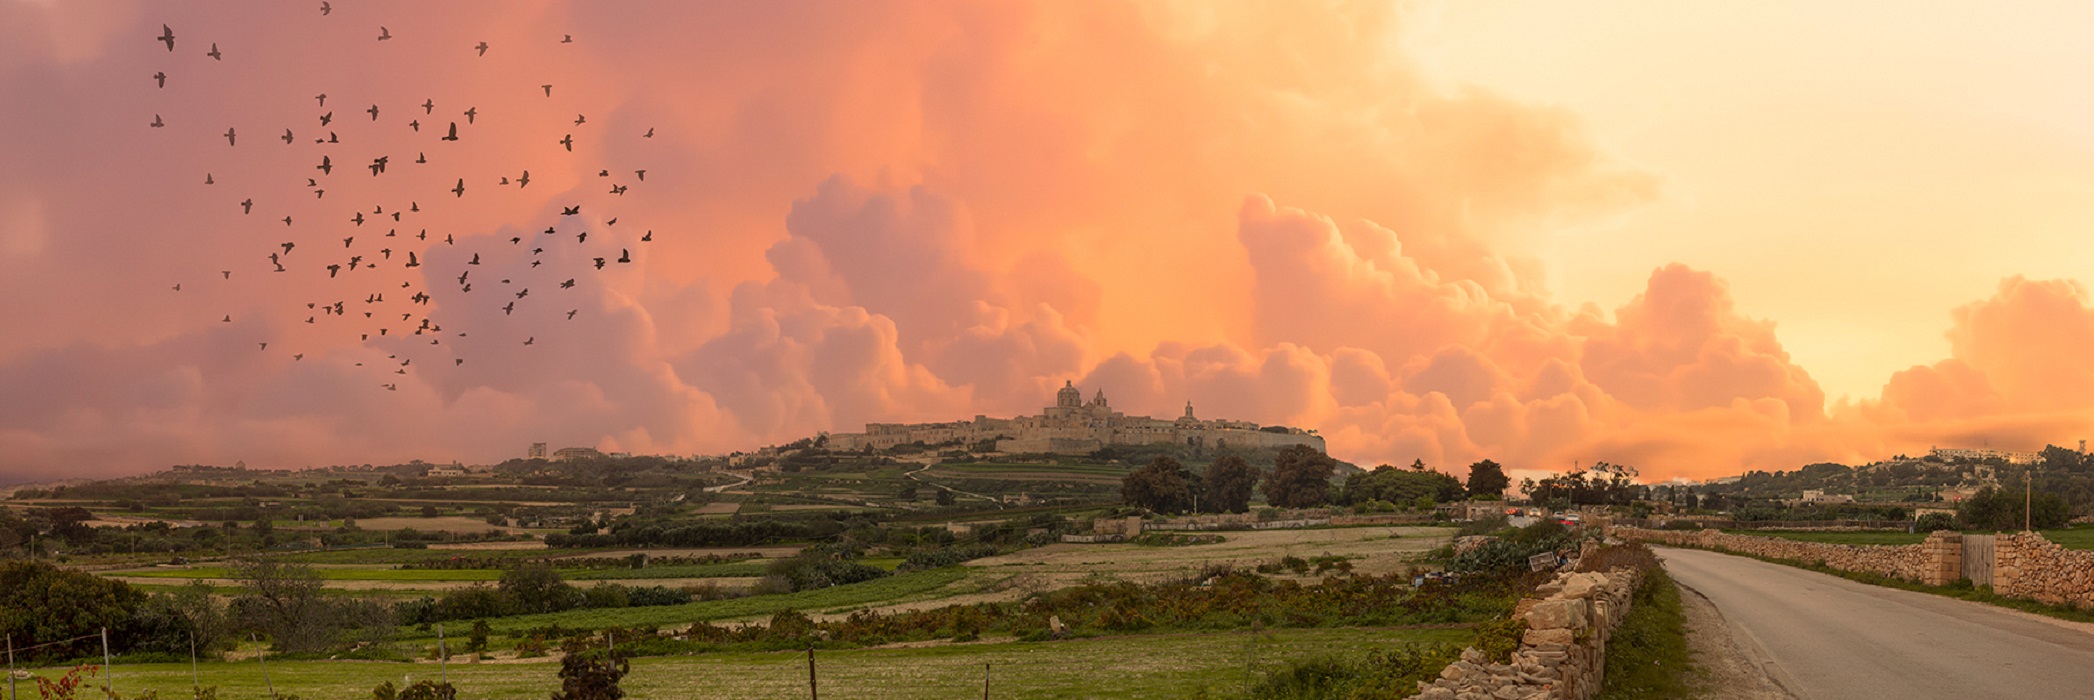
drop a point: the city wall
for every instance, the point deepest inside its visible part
(1563, 654)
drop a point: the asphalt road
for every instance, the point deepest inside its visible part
(1825, 637)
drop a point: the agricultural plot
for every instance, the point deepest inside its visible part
(1162, 666)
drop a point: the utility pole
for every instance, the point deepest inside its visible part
(2028, 498)
(443, 656)
(263, 656)
(196, 685)
(985, 682)
(10, 667)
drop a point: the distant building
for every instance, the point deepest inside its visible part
(1074, 426)
(1819, 496)
(565, 454)
(537, 451)
(1985, 453)
(444, 471)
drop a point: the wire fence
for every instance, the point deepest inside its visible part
(1229, 664)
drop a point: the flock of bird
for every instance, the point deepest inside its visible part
(377, 235)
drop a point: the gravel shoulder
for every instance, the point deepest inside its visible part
(1723, 668)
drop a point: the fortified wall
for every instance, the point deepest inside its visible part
(1073, 426)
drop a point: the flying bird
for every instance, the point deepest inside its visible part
(213, 53)
(374, 112)
(378, 165)
(525, 180)
(384, 34)
(322, 97)
(167, 35)
(548, 89)
(416, 125)
(157, 123)
(411, 261)
(469, 113)
(567, 38)
(579, 119)
(429, 106)
(208, 180)
(509, 308)
(228, 273)
(460, 189)
(420, 157)
(325, 118)
(326, 166)
(649, 134)
(642, 174)
(571, 211)
(229, 136)
(570, 314)
(568, 141)
(569, 284)
(530, 340)
(161, 77)
(247, 206)
(474, 261)
(325, 8)
(625, 256)
(453, 136)
(288, 137)
(482, 47)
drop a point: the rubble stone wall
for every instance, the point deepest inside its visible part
(2026, 565)
(1937, 561)
(1564, 651)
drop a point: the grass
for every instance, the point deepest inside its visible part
(1647, 657)
(344, 574)
(1164, 666)
(837, 598)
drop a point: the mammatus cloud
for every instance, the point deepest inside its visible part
(889, 212)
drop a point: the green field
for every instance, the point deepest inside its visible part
(1144, 666)
(2079, 537)
(837, 598)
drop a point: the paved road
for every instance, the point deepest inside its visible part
(1824, 637)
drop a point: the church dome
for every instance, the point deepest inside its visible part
(1069, 396)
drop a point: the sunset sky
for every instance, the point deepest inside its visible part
(1694, 237)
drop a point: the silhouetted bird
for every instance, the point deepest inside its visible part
(384, 34)
(453, 136)
(625, 256)
(569, 284)
(525, 180)
(161, 77)
(599, 263)
(509, 308)
(288, 137)
(642, 174)
(374, 112)
(247, 206)
(325, 118)
(208, 180)
(228, 319)
(570, 314)
(648, 237)
(326, 166)
(325, 8)
(649, 134)
(411, 261)
(415, 125)
(475, 260)
(567, 39)
(378, 165)
(322, 97)
(530, 340)
(571, 211)
(482, 47)
(579, 119)
(228, 273)
(548, 90)
(429, 106)
(157, 123)
(460, 189)
(469, 114)
(568, 141)
(167, 35)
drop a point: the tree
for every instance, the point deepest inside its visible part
(1301, 478)
(946, 497)
(1488, 480)
(43, 602)
(591, 675)
(537, 588)
(1162, 485)
(2000, 509)
(283, 600)
(1227, 485)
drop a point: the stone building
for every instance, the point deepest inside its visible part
(1074, 426)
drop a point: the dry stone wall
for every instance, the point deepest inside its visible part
(1562, 655)
(2026, 565)
(1936, 561)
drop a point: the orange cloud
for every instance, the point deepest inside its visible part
(871, 212)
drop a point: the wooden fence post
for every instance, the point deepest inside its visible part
(814, 691)
(108, 669)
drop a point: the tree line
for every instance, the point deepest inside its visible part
(1301, 477)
